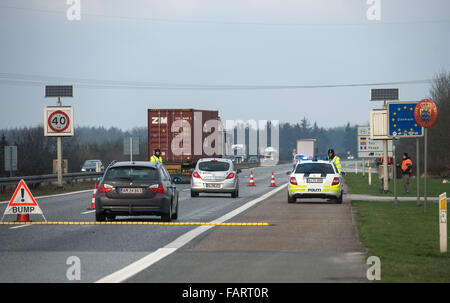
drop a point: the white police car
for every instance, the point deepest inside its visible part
(315, 179)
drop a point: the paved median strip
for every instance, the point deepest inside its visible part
(135, 223)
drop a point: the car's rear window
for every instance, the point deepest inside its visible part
(90, 163)
(213, 166)
(134, 173)
(314, 168)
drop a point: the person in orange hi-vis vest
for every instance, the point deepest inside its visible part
(406, 167)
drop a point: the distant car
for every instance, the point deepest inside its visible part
(253, 159)
(315, 179)
(215, 175)
(136, 188)
(350, 157)
(91, 165)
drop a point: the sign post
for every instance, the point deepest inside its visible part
(418, 172)
(425, 115)
(443, 222)
(395, 174)
(58, 121)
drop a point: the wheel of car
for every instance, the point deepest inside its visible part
(110, 217)
(168, 216)
(291, 199)
(175, 215)
(235, 194)
(339, 200)
(194, 194)
(100, 217)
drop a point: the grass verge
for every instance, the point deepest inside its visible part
(360, 185)
(405, 239)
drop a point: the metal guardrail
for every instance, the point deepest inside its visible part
(33, 180)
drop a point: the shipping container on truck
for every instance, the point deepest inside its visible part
(163, 133)
(306, 147)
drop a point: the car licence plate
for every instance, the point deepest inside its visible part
(314, 180)
(131, 190)
(212, 185)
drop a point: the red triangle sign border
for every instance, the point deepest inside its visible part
(24, 185)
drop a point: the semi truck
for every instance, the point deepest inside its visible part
(184, 136)
(306, 148)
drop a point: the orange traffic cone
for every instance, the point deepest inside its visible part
(251, 183)
(272, 181)
(93, 197)
(23, 218)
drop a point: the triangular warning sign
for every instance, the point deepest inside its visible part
(22, 201)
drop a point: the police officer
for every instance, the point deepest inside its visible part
(335, 159)
(156, 156)
(406, 167)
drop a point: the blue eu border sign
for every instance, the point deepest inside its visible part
(401, 120)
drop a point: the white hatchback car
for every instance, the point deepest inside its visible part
(215, 175)
(315, 179)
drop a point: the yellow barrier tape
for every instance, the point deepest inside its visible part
(134, 223)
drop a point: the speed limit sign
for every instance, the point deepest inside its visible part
(58, 121)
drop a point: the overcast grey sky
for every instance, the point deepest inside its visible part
(216, 42)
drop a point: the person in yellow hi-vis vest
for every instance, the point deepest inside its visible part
(335, 159)
(156, 156)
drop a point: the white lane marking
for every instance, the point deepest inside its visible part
(88, 212)
(150, 259)
(57, 195)
(19, 226)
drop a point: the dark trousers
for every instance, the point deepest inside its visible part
(406, 185)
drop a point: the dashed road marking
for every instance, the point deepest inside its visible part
(88, 212)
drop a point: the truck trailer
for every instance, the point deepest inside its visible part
(184, 136)
(306, 148)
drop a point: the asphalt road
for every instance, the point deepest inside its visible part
(286, 251)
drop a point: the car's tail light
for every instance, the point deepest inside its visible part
(230, 176)
(335, 181)
(104, 188)
(195, 174)
(157, 188)
(293, 181)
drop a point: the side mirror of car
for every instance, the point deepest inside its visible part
(343, 173)
(99, 179)
(176, 180)
(288, 173)
(239, 171)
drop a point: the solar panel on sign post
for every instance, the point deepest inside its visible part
(58, 91)
(382, 94)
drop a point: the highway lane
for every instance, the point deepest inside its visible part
(38, 253)
(308, 241)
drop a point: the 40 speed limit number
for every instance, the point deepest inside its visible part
(59, 121)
